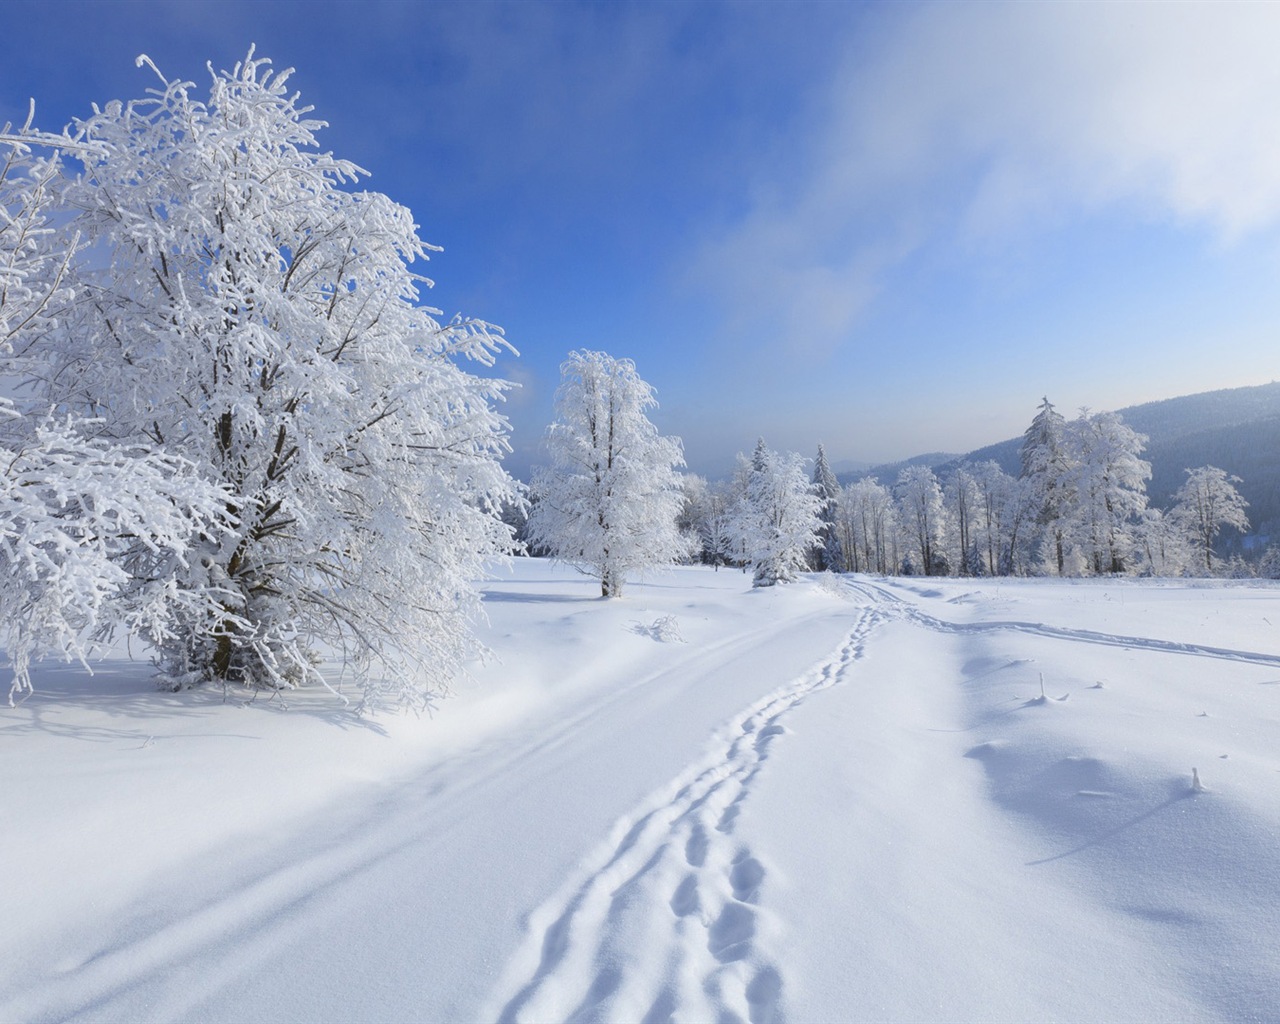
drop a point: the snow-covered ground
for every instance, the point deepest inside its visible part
(839, 800)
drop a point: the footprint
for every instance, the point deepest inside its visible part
(745, 877)
(765, 735)
(730, 815)
(764, 994)
(695, 850)
(663, 1009)
(685, 901)
(730, 936)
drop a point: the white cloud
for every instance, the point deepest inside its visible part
(987, 118)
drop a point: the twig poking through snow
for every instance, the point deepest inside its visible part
(664, 629)
(1196, 785)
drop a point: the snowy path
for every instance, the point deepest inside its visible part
(201, 939)
(679, 888)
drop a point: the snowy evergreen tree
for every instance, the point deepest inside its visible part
(1045, 467)
(241, 312)
(1204, 504)
(780, 519)
(1269, 564)
(610, 499)
(828, 553)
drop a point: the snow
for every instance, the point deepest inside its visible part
(840, 799)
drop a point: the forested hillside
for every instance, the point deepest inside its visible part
(1237, 429)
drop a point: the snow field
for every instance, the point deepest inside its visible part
(842, 799)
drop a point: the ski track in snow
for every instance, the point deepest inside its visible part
(897, 607)
(141, 954)
(667, 919)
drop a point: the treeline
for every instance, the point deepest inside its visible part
(1076, 506)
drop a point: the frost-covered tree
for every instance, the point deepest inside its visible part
(828, 554)
(610, 499)
(920, 508)
(998, 518)
(1205, 503)
(868, 527)
(710, 517)
(88, 528)
(240, 308)
(1269, 564)
(90, 533)
(1045, 467)
(779, 519)
(1162, 544)
(1106, 481)
(961, 502)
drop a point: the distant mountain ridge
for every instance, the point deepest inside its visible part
(887, 472)
(1235, 429)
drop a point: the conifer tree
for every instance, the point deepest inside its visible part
(1045, 465)
(828, 553)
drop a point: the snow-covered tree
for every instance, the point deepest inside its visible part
(240, 309)
(1269, 564)
(865, 518)
(86, 526)
(1106, 481)
(779, 519)
(90, 533)
(828, 554)
(609, 501)
(1205, 503)
(1162, 544)
(998, 518)
(961, 502)
(1045, 467)
(919, 499)
(710, 516)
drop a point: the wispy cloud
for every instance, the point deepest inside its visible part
(981, 120)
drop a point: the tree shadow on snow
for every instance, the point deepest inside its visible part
(124, 691)
(1182, 792)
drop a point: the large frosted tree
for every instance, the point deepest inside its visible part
(85, 524)
(242, 308)
(610, 499)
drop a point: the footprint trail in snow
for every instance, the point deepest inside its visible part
(666, 918)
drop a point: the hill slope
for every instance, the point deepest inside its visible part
(1237, 429)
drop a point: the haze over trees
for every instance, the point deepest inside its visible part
(1079, 507)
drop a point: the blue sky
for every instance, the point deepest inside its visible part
(888, 227)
